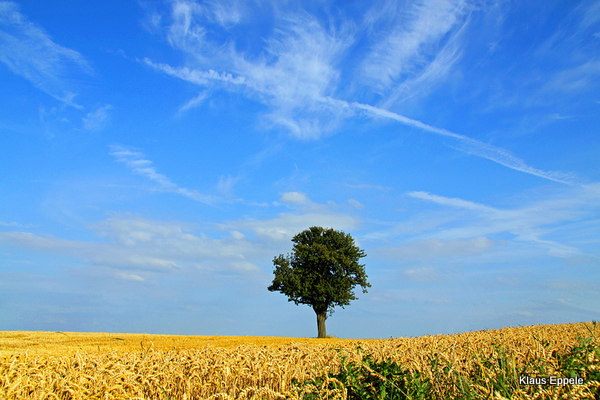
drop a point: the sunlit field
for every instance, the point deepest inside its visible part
(69, 343)
(481, 364)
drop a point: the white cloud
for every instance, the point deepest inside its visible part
(589, 13)
(129, 231)
(226, 12)
(225, 185)
(583, 77)
(186, 30)
(286, 225)
(151, 263)
(244, 266)
(183, 32)
(96, 120)
(412, 227)
(28, 51)
(453, 202)
(130, 277)
(138, 164)
(432, 73)
(40, 243)
(290, 97)
(237, 235)
(356, 204)
(298, 67)
(437, 248)
(195, 102)
(524, 313)
(414, 36)
(442, 232)
(97, 253)
(137, 244)
(197, 77)
(576, 286)
(134, 246)
(2, 223)
(423, 274)
(298, 73)
(295, 198)
(579, 71)
(274, 231)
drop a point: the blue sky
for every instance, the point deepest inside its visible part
(156, 157)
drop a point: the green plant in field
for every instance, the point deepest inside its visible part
(498, 373)
(165, 393)
(369, 380)
(495, 376)
(582, 360)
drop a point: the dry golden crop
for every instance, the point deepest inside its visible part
(114, 366)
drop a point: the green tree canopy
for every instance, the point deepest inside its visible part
(322, 272)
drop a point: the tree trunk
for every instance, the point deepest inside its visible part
(321, 317)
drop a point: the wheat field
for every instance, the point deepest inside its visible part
(65, 365)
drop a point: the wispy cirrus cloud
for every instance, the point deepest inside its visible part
(225, 185)
(28, 51)
(453, 202)
(570, 47)
(411, 41)
(420, 82)
(346, 109)
(185, 29)
(299, 72)
(227, 13)
(582, 23)
(463, 228)
(137, 162)
(531, 224)
(302, 66)
(201, 78)
(204, 79)
(574, 80)
(183, 32)
(436, 248)
(298, 64)
(196, 101)
(98, 119)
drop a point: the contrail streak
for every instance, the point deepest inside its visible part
(472, 146)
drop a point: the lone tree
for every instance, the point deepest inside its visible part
(321, 272)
